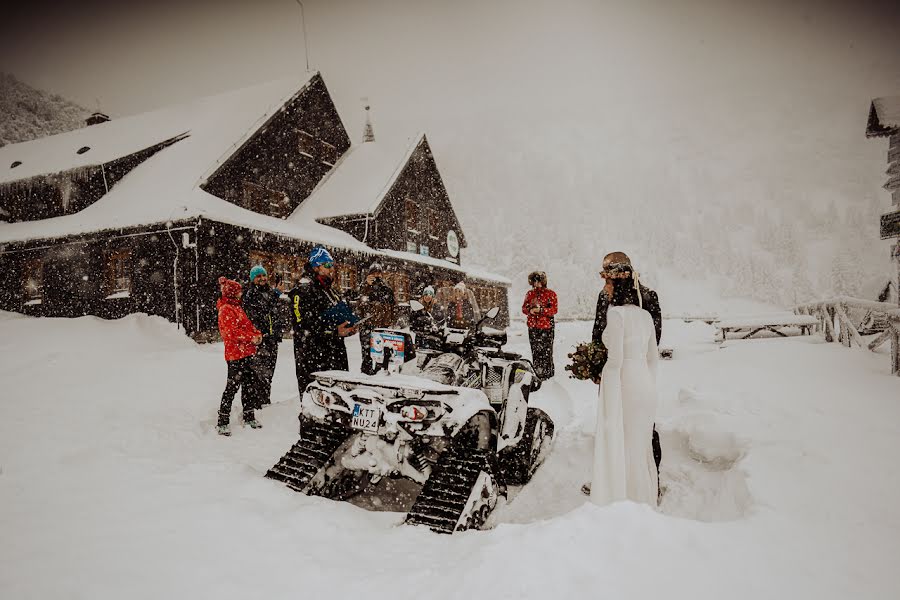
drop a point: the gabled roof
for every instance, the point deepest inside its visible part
(884, 117)
(166, 186)
(360, 180)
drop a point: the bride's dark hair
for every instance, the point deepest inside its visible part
(624, 291)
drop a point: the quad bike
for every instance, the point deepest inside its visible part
(451, 415)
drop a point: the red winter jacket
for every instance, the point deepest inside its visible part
(236, 329)
(544, 299)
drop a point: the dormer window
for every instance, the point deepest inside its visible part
(15, 164)
(83, 149)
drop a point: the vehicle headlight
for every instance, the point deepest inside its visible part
(326, 399)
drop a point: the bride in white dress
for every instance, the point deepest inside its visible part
(624, 468)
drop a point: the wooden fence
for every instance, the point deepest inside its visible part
(837, 326)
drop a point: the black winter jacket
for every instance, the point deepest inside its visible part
(318, 345)
(651, 305)
(263, 307)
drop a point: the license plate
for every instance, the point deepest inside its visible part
(365, 418)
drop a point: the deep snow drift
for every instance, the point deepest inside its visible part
(778, 471)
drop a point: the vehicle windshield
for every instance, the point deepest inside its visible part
(457, 306)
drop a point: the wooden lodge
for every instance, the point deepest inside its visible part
(884, 121)
(144, 213)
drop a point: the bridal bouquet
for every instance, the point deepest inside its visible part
(587, 361)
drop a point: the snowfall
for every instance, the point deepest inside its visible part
(779, 473)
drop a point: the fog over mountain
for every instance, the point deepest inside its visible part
(719, 143)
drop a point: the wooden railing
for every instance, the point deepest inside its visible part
(836, 325)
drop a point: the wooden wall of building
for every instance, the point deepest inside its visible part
(279, 166)
(416, 213)
(108, 274)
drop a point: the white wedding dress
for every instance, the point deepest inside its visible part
(624, 468)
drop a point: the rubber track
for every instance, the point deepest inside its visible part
(317, 443)
(443, 497)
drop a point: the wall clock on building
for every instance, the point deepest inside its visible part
(452, 244)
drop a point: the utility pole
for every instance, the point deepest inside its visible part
(303, 24)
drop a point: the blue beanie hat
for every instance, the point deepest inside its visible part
(318, 256)
(257, 271)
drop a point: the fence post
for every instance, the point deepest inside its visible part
(829, 323)
(895, 348)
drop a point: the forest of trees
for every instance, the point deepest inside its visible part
(780, 234)
(27, 113)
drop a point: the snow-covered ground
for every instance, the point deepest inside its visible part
(778, 468)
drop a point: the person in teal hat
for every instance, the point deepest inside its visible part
(263, 305)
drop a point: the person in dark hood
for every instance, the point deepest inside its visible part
(262, 304)
(378, 306)
(241, 339)
(322, 319)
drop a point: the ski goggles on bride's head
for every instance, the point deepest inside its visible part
(327, 265)
(617, 271)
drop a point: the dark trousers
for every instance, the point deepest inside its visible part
(266, 357)
(542, 352)
(241, 376)
(365, 337)
(303, 374)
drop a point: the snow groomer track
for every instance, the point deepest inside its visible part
(308, 456)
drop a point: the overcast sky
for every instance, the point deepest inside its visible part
(424, 57)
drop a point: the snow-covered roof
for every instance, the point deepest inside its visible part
(472, 271)
(884, 116)
(89, 146)
(166, 186)
(360, 180)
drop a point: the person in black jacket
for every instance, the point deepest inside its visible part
(649, 302)
(263, 305)
(322, 320)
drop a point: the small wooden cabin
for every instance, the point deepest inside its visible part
(884, 121)
(144, 213)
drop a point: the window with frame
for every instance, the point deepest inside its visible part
(399, 282)
(306, 144)
(279, 267)
(33, 281)
(118, 272)
(329, 154)
(434, 223)
(412, 216)
(345, 276)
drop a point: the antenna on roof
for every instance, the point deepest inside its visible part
(368, 131)
(303, 24)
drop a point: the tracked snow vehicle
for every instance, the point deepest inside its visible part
(451, 415)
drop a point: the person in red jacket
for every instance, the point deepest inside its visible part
(540, 306)
(241, 339)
